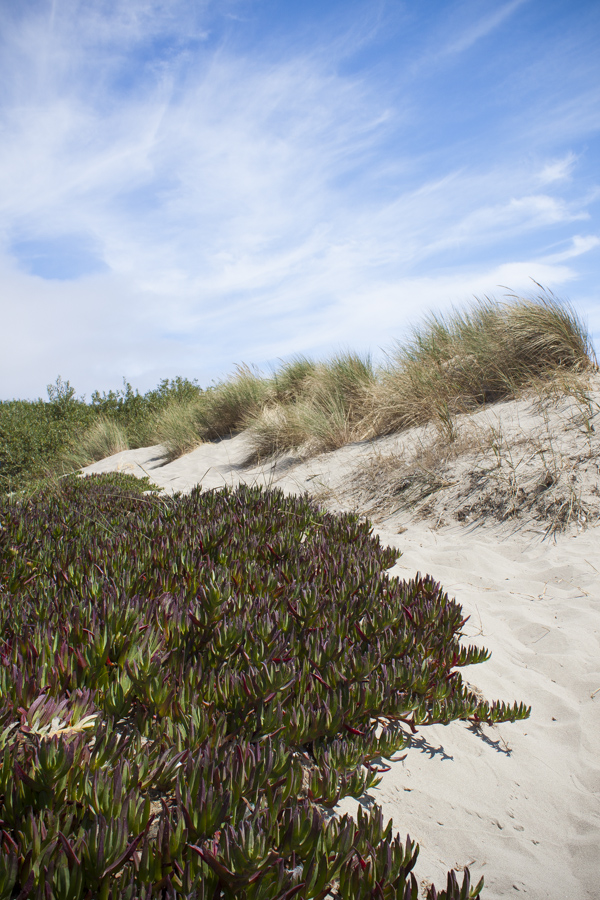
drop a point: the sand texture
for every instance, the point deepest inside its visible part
(506, 517)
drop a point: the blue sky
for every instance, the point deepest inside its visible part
(191, 184)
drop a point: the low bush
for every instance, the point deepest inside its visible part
(137, 414)
(34, 434)
(188, 683)
(49, 438)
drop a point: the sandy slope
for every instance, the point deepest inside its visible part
(518, 803)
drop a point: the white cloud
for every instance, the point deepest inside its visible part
(557, 170)
(247, 206)
(98, 329)
(579, 244)
(458, 29)
(481, 28)
(518, 214)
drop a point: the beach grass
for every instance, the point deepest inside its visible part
(326, 411)
(105, 438)
(491, 351)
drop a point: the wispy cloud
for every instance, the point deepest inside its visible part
(578, 245)
(177, 195)
(481, 28)
(558, 169)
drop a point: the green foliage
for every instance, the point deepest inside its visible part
(33, 434)
(136, 413)
(187, 682)
(40, 438)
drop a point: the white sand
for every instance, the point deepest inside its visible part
(519, 803)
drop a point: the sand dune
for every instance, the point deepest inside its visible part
(506, 518)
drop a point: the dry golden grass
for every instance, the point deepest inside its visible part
(495, 350)
(491, 352)
(325, 409)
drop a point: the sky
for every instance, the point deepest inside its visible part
(189, 185)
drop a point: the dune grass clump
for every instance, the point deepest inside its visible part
(291, 381)
(188, 683)
(326, 410)
(491, 352)
(315, 405)
(178, 428)
(103, 439)
(222, 410)
(333, 410)
(230, 404)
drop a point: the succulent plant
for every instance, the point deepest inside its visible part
(188, 683)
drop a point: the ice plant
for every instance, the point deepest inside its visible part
(188, 683)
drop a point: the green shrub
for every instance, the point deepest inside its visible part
(46, 439)
(34, 434)
(137, 414)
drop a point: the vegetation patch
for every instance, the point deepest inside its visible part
(493, 351)
(449, 366)
(188, 684)
(47, 439)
